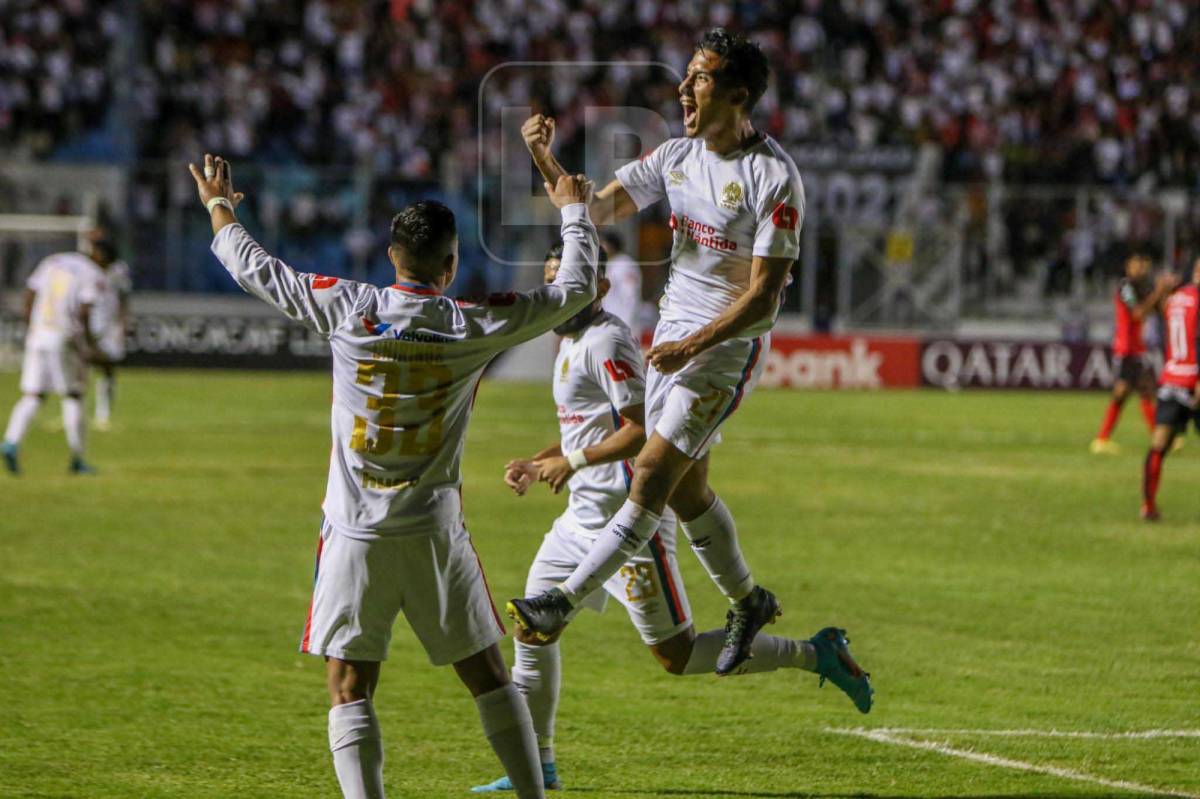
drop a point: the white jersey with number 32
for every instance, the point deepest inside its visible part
(725, 209)
(62, 285)
(406, 363)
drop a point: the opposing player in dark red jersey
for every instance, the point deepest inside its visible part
(1134, 302)
(1177, 388)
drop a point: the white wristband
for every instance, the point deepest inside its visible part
(576, 459)
(215, 201)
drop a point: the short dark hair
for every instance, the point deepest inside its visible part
(556, 251)
(743, 64)
(423, 230)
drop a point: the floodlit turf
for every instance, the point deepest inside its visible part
(992, 574)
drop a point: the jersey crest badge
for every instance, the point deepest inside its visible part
(731, 196)
(676, 177)
(562, 373)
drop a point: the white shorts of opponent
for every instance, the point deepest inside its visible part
(59, 370)
(648, 585)
(360, 586)
(688, 407)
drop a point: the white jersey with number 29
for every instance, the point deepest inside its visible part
(725, 209)
(406, 363)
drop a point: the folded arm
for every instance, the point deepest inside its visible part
(768, 277)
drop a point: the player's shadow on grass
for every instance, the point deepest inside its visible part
(811, 795)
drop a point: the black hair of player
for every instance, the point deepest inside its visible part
(743, 64)
(424, 230)
(105, 249)
(556, 251)
(613, 239)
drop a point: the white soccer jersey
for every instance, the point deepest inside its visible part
(624, 298)
(63, 284)
(406, 363)
(596, 375)
(725, 209)
(115, 285)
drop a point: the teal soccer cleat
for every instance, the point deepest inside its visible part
(10, 457)
(835, 664)
(549, 779)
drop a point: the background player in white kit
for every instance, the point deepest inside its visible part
(624, 298)
(109, 318)
(406, 363)
(59, 299)
(736, 208)
(599, 392)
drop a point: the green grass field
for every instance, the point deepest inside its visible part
(992, 574)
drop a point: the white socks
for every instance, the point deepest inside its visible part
(767, 653)
(357, 747)
(507, 725)
(74, 424)
(627, 532)
(106, 389)
(714, 540)
(22, 415)
(537, 673)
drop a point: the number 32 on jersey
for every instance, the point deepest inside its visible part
(428, 384)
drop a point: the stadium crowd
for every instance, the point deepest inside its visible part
(1041, 90)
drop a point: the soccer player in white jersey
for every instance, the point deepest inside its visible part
(109, 318)
(599, 393)
(59, 297)
(406, 363)
(624, 299)
(736, 208)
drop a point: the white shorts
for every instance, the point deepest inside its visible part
(52, 371)
(688, 407)
(112, 343)
(360, 586)
(648, 585)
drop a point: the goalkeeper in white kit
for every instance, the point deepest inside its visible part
(406, 363)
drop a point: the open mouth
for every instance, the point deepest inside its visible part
(689, 112)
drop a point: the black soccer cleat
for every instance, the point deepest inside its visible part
(542, 616)
(743, 621)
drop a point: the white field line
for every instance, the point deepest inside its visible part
(1113, 736)
(891, 737)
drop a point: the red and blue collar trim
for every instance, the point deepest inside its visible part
(417, 288)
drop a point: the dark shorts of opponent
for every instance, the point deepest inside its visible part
(1134, 369)
(1176, 408)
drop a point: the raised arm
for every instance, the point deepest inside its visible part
(509, 319)
(319, 302)
(1165, 284)
(611, 204)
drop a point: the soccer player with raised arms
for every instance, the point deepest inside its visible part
(406, 363)
(599, 385)
(736, 208)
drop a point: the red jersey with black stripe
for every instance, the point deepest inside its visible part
(1127, 329)
(1180, 313)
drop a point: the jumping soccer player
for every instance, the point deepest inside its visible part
(59, 297)
(598, 390)
(1178, 388)
(736, 208)
(406, 363)
(1133, 303)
